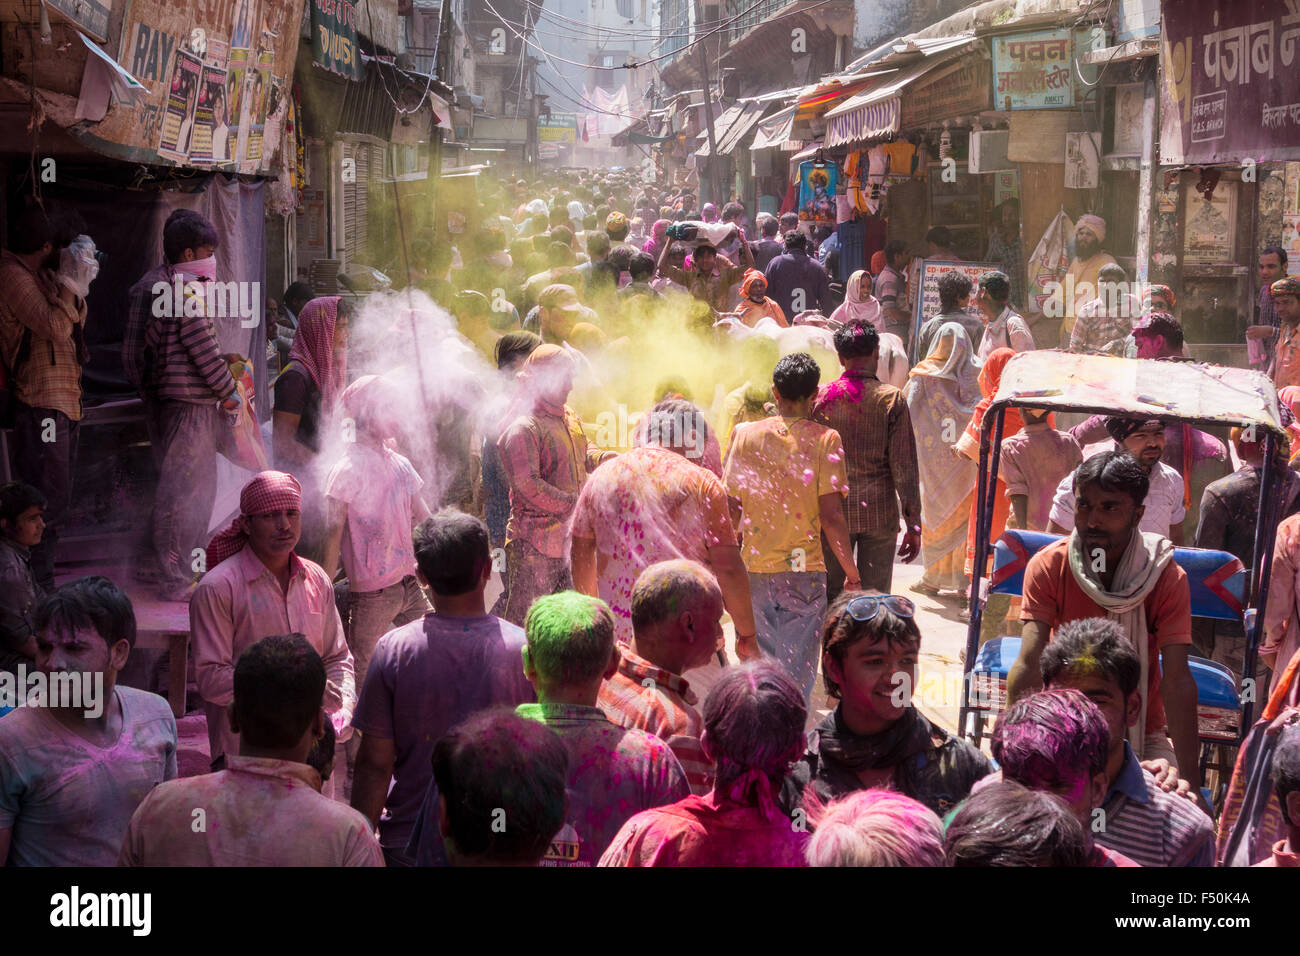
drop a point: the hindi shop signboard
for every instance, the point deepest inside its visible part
(558, 128)
(1229, 89)
(334, 37)
(960, 87)
(1033, 71)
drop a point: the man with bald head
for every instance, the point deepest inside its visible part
(676, 612)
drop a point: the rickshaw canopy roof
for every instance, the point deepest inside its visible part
(1155, 388)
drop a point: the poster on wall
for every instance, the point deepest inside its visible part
(817, 188)
(1291, 241)
(208, 146)
(257, 84)
(1082, 160)
(1209, 237)
(1126, 136)
(1033, 71)
(158, 33)
(178, 118)
(1006, 185)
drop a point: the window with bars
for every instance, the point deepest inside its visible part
(674, 25)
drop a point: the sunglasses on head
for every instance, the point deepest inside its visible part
(867, 606)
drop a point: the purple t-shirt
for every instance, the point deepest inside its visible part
(424, 678)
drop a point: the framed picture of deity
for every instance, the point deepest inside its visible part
(1210, 229)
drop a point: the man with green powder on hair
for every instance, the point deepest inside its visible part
(614, 773)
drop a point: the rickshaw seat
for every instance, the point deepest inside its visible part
(1217, 579)
(1218, 704)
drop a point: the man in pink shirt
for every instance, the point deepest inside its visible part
(265, 808)
(256, 587)
(1034, 461)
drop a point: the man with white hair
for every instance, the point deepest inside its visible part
(1080, 284)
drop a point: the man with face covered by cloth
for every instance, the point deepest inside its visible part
(256, 587)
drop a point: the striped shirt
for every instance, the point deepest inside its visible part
(642, 696)
(879, 449)
(50, 377)
(1150, 826)
(175, 356)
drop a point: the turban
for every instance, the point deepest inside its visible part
(268, 491)
(1290, 285)
(1095, 223)
(1121, 428)
(615, 221)
(751, 276)
(1161, 290)
(545, 358)
(878, 262)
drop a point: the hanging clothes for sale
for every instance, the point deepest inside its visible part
(851, 257)
(818, 186)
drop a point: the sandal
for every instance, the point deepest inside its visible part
(920, 587)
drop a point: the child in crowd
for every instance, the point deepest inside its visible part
(374, 501)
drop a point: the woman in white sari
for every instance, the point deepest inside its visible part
(859, 303)
(942, 392)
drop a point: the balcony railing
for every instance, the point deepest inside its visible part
(752, 18)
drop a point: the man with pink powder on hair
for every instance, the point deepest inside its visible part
(1057, 741)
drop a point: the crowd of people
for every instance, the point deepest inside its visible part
(638, 423)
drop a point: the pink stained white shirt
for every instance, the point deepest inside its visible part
(238, 603)
(1033, 463)
(378, 486)
(645, 506)
(257, 812)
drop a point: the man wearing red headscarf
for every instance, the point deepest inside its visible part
(257, 587)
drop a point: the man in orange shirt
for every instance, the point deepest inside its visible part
(786, 474)
(1108, 568)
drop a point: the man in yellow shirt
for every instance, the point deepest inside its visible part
(1085, 269)
(786, 479)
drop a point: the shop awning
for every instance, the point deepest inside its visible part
(750, 115)
(721, 125)
(774, 131)
(875, 112)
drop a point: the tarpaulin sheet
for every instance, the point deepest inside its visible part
(127, 226)
(1159, 388)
